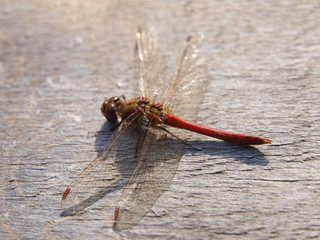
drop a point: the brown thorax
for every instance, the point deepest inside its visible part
(116, 108)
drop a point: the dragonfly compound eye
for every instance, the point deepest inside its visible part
(110, 108)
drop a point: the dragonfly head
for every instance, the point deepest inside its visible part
(111, 108)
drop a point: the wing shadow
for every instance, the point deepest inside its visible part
(160, 173)
(249, 155)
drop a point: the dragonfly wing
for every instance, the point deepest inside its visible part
(184, 91)
(153, 66)
(157, 164)
(106, 171)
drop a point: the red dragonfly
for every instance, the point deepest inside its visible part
(143, 141)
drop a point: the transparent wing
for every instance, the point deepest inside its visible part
(107, 170)
(157, 164)
(153, 66)
(160, 154)
(185, 90)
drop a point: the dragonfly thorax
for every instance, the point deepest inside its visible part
(116, 108)
(153, 111)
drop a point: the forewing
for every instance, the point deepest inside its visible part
(185, 90)
(161, 152)
(158, 162)
(107, 170)
(153, 66)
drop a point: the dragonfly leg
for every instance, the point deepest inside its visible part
(185, 142)
(140, 141)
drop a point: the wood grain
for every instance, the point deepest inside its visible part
(59, 60)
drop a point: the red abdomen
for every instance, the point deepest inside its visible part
(239, 138)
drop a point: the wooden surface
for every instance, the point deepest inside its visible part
(59, 60)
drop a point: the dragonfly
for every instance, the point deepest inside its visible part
(150, 137)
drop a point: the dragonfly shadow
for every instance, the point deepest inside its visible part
(103, 135)
(125, 155)
(249, 155)
(159, 168)
(160, 163)
(77, 209)
(101, 138)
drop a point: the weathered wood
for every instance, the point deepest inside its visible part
(59, 60)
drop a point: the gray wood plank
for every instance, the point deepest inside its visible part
(59, 60)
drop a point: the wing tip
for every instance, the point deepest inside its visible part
(66, 194)
(116, 214)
